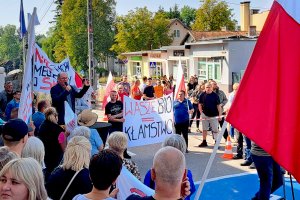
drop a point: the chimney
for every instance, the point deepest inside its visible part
(252, 31)
(245, 15)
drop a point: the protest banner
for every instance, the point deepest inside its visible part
(128, 184)
(45, 72)
(148, 122)
(70, 118)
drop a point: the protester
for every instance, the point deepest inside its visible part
(167, 88)
(121, 93)
(169, 174)
(5, 156)
(269, 173)
(149, 92)
(62, 92)
(195, 101)
(117, 142)
(144, 85)
(158, 89)
(54, 139)
(125, 84)
(191, 86)
(39, 116)
(135, 91)
(15, 135)
(182, 107)
(223, 101)
(73, 171)
(104, 168)
(22, 179)
(87, 119)
(114, 112)
(210, 108)
(179, 143)
(14, 103)
(5, 96)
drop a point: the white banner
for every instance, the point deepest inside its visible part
(148, 122)
(70, 118)
(129, 184)
(45, 71)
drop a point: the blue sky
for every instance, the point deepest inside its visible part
(9, 9)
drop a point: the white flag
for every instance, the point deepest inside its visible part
(25, 108)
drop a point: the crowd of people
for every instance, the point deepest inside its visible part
(41, 160)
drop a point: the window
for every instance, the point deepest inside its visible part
(137, 70)
(210, 68)
(176, 33)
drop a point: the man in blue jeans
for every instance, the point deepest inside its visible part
(269, 173)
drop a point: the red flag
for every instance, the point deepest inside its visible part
(180, 85)
(78, 80)
(109, 87)
(266, 106)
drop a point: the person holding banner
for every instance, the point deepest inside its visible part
(62, 92)
(182, 108)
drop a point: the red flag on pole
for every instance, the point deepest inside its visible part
(180, 85)
(266, 106)
(109, 87)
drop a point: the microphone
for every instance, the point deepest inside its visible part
(66, 84)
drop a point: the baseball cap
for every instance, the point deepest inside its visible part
(14, 130)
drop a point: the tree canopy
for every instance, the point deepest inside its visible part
(141, 30)
(213, 15)
(10, 44)
(69, 35)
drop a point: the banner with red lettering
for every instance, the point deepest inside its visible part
(128, 184)
(45, 72)
(148, 122)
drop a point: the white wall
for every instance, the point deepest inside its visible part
(239, 55)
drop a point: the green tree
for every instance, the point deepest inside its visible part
(10, 44)
(174, 13)
(141, 30)
(188, 15)
(213, 15)
(69, 35)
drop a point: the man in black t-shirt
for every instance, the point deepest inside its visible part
(114, 112)
(149, 93)
(210, 108)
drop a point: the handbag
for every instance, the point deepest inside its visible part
(62, 196)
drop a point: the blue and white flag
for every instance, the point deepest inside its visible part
(22, 21)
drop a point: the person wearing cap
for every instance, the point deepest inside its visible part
(15, 135)
(14, 103)
(62, 92)
(87, 118)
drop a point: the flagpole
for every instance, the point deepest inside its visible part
(210, 161)
(24, 52)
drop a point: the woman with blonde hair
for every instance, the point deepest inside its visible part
(72, 177)
(53, 137)
(117, 142)
(22, 179)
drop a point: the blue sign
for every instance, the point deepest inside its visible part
(152, 64)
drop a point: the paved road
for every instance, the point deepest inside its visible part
(196, 159)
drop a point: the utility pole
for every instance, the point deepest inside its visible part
(91, 44)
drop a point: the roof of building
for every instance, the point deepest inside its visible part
(211, 35)
(172, 21)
